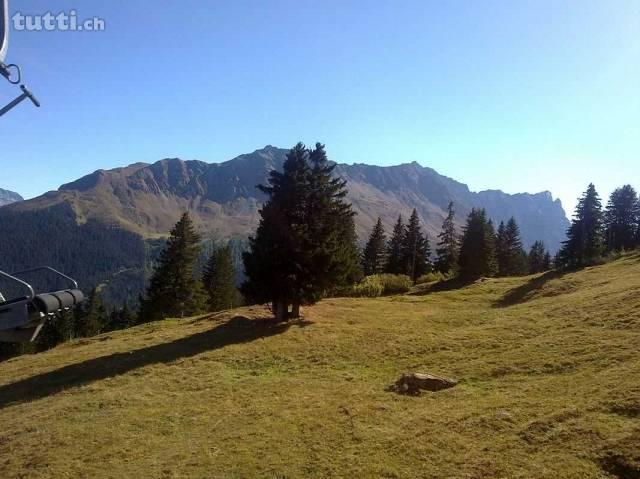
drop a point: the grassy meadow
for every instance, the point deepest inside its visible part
(549, 370)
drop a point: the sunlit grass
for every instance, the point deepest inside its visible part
(549, 369)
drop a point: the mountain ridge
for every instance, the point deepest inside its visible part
(230, 185)
(116, 218)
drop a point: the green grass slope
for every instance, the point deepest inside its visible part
(550, 388)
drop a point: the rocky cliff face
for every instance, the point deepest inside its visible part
(387, 191)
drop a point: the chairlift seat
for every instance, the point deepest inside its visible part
(52, 303)
(22, 318)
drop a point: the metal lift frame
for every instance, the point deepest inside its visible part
(11, 72)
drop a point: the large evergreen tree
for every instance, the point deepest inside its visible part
(621, 219)
(373, 256)
(394, 249)
(448, 247)
(539, 258)
(272, 264)
(305, 244)
(477, 247)
(415, 251)
(330, 245)
(173, 289)
(219, 280)
(511, 256)
(585, 237)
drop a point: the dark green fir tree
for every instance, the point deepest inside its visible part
(121, 318)
(91, 319)
(219, 281)
(511, 256)
(478, 247)
(539, 258)
(394, 250)
(173, 290)
(415, 250)
(621, 219)
(374, 254)
(448, 247)
(585, 237)
(305, 244)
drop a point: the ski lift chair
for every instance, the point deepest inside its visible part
(22, 317)
(11, 72)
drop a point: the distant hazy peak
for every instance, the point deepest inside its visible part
(8, 197)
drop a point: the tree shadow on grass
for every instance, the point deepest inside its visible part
(440, 286)
(522, 293)
(235, 331)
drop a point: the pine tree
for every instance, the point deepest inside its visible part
(347, 267)
(448, 247)
(330, 244)
(173, 290)
(120, 319)
(305, 244)
(477, 247)
(539, 258)
(394, 249)
(219, 281)
(621, 219)
(269, 263)
(90, 319)
(511, 256)
(415, 251)
(272, 261)
(127, 318)
(373, 257)
(585, 237)
(501, 248)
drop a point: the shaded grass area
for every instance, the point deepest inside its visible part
(550, 382)
(238, 329)
(522, 293)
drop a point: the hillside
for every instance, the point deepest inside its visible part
(7, 197)
(103, 228)
(549, 371)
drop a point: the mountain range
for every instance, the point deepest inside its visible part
(7, 197)
(106, 227)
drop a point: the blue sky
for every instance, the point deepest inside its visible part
(517, 95)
